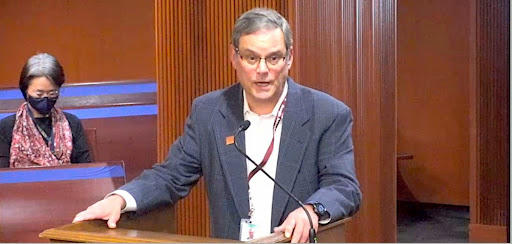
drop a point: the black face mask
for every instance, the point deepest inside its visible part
(42, 105)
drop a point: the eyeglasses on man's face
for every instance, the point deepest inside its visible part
(253, 60)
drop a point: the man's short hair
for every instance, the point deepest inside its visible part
(261, 18)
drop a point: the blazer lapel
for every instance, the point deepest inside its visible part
(292, 147)
(233, 163)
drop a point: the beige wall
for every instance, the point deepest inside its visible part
(433, 100)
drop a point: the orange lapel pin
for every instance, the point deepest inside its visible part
(230, 140)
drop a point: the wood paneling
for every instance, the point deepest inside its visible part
(131, 139)
(432, 101)
(90, 136)
(346, 48)
(94, 40)
(490, 121)
(488, 233)
(326, 54)
(376, 120)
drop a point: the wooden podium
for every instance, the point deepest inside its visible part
(127, 231)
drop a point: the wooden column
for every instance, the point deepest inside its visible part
(192, 40)
(376, 119)
(348, 49)
(490, 121)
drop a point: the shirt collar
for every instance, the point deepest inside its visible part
(276, 107)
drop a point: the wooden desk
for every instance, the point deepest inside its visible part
(35, 199)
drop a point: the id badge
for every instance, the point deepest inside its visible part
(247, 229)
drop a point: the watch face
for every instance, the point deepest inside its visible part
(319, 208)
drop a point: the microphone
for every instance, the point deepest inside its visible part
(243, 127)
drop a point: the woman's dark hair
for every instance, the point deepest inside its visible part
(41, 65)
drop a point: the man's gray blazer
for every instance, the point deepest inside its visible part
(315, 161)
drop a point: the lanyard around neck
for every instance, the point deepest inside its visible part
(270, 148)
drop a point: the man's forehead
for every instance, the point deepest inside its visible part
(270, 32)
(269, 40)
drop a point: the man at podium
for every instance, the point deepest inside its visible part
(297, 135)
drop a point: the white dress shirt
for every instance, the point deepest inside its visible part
(257, 140)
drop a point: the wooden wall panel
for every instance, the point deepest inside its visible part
(490, 121)
(94, 40)
(326, 54)
(131, 139)
(347, 49)
(433, 104)
(376, 120)
(192, 40)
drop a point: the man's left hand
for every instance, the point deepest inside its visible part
(297, 223)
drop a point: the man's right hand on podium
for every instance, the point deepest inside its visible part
(107, 209)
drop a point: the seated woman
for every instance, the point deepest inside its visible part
(40, 134)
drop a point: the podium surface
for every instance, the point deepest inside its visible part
(97, 231)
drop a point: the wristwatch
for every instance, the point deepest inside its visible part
(320, 211)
